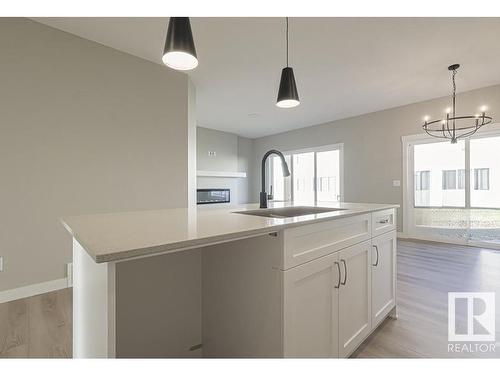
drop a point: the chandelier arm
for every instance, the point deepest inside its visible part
(448, 127)
(464, 135)
(487, 120)
(436, 136)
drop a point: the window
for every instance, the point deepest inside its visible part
(303, 177)
(328, 176)
(315, 176)
(485, 173)
(277, 187)
(482, 179)
(423, 180)
(463, 202)
(461, 179)
(437, 167)
(449, 180)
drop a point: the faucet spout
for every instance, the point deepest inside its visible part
(286, 173)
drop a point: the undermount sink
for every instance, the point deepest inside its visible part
(282, 212)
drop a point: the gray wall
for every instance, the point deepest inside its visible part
(372, 144)
(233, 154)
(83, 129)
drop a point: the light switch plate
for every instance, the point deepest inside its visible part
(1, 264)
(396, 183)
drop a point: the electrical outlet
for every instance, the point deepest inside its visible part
(396, 183)
(1, 264)
(212, 153)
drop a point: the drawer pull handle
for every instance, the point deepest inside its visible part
(345, 269)
(376, 249)
(338, 269)
(384, 221)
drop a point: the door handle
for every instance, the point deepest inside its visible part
(376, 249)
(345, 269)
(338, 268)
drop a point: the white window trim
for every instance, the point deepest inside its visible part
(332, 147)
(415, 139)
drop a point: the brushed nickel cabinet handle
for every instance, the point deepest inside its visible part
(376, 249)
(384, 221)
(345, 269)
(338, 269)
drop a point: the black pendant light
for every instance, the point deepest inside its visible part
(179, 52)
(288, 95)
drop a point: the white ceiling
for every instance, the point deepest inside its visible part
(343, 66)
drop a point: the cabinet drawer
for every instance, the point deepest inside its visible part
(383, 221)
(308, 242)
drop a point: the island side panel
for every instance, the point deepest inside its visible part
(241, 299)
(93, 306)
(158, 306)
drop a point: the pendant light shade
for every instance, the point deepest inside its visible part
(288, 96)
(180, 52)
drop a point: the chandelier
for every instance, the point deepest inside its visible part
(456, 127)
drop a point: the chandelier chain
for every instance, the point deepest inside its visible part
(454, 90)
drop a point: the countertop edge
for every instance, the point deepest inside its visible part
(136, 253)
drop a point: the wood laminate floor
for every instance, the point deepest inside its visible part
(427, 271)
(37, 327)
(40, 326)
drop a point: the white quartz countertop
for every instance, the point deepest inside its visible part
(125, 235)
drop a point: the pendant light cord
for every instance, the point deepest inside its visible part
(287, 42)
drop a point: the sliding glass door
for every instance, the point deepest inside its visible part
(316, 176)
(454, 190)
(303, 186)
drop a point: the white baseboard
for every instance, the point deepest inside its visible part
(33, 290)
(448, 241)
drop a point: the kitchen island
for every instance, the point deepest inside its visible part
(314, 285)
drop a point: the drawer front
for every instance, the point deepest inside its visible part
(308, 242)
(383, 221)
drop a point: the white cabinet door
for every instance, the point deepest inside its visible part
(383, 276)
(310, 306)
(354, 297)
